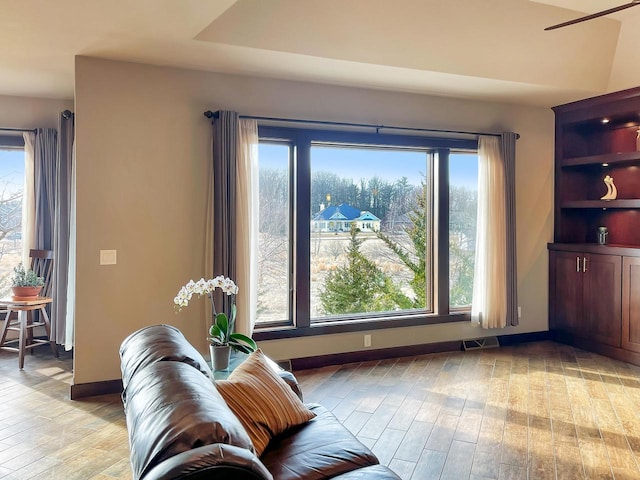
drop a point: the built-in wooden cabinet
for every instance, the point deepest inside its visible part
(595, 289)
(631, 304)
(602, 292)
(586, 295)
(565, 284)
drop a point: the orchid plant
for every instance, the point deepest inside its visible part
(221, 330)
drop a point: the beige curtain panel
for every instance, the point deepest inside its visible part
(494, 303)
(247, 226)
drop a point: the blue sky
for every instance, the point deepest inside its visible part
(387, 164)
(348, 163)
(11, 170)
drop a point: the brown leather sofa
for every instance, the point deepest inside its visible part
(180, 428)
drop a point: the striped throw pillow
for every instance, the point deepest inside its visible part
(265, 405)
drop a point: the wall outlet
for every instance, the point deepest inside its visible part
(367, 340)
(108, 257)
(519, 312)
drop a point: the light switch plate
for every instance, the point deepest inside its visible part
(108, 257)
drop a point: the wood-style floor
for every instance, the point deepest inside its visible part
(535, 411)
(540, 410)
(44, 435)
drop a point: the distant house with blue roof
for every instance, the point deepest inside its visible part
(339, 218)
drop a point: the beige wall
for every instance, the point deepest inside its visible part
(27, 112)
(625, 71)
(142, 155)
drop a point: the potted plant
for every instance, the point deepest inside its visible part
(25, 284)
(221, 337)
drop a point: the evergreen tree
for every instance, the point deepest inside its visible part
(360, 286)
(461, 252)
(414, 260)
(462, 227)
(461, 270)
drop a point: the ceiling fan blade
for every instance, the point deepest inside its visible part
(595, 15)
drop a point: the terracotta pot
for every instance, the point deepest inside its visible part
(25, 293)
(220, 356)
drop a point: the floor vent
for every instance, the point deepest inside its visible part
(477, 343)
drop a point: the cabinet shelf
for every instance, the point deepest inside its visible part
(610, 158)
(629, 203)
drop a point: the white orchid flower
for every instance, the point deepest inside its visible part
(205, 287)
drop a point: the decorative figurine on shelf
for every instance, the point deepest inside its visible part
(612, 191)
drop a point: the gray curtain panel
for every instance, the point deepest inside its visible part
(508, 151)
(62, 226)
(44, 171)
(225, 147)
(45, 154)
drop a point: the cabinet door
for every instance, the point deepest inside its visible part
(631, 303)
(603, 298)
(565, 284)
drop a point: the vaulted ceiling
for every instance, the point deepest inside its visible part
(483, 49)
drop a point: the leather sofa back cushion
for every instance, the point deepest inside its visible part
(262, 401)
(154, 344)
(173, 408)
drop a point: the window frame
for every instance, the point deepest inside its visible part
(11, 142)
(301, 140)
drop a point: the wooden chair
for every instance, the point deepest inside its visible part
(42, 265)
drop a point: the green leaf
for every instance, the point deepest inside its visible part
(234, 310)
(214, 331)
(232, 320)
(242, 343)
(223, 323)
(241, 348)
(223, 327)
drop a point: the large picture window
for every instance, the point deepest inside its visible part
(369, 234)
(349, 229)
(11, 190)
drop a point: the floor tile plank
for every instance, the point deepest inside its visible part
(533, 411)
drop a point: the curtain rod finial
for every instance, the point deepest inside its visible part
(209, 114)
(67, 114)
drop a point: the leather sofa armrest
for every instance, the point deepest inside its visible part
(219, 461)
(157, 343)
(292, 381)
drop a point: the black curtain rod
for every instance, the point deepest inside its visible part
(65, 113)
(20, 130)
(211, 115)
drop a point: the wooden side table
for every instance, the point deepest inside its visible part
(24, 327)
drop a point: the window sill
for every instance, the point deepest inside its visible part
(328, 328)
